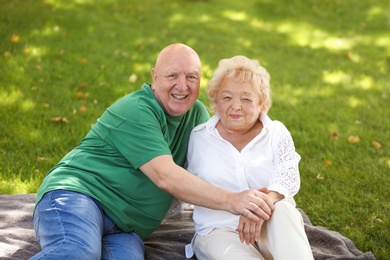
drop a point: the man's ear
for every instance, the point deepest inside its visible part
(154, 74)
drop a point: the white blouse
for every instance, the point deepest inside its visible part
(269, 160)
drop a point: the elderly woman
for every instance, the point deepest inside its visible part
(241, 148)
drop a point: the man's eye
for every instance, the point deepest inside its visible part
(171, 76)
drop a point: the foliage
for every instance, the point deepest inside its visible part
(63, 62)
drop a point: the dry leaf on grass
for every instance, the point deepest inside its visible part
(353, 139)
(60, 119)
(376, 144)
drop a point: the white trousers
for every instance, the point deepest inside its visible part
(282, 237)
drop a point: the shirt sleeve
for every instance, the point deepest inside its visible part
(285, 179)
(136, 132)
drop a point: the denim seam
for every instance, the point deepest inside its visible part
(62, 227)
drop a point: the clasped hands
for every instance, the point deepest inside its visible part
(248, 229)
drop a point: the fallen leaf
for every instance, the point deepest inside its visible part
(79, 94)
(376, 144)
(82, 85)
(26, 50)
(83, 108)
(15, 38)
(353, 139)
(319, 177)
(84, 60)
(60, 119)
(328, 163)
(335, 135)
(7, 54)
(41, 159)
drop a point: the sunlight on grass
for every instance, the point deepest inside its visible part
(303, 34)
(341, 78)
(375, 11)
(37, 51)
(50, 30)
(70, 4)
(354, 102)
(27, 105)
(204, 18)
(245, 42)
(142, 67)
(18, 186)
(383, 41)
(235, 16)
(364, 82)
(10, 98)
(336, 77)
(177, 17)
(15, 96)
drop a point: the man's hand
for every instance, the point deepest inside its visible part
(248, 230)
(253, 204)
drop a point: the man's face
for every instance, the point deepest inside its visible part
(176, 81)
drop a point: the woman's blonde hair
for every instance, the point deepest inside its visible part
(241, 69)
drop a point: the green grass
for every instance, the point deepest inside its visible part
(329, 62)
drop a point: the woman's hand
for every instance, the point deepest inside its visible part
(248, 230)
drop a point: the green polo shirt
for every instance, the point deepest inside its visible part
(106, 164)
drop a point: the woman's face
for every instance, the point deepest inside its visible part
(238, 105)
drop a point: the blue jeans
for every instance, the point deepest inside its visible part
(71, 225)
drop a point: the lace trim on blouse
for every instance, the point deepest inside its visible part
(286, 166)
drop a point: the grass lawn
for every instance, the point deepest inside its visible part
(63, 62)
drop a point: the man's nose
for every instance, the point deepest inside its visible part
(181, 82)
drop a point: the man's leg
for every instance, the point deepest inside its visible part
(120, 245)
(68, 225)
(123, 246)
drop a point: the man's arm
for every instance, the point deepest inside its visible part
(172, 178)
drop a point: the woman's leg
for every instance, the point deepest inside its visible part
(284, 234)
(68, 225)
(223, 244)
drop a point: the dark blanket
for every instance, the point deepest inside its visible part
(17, 240)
